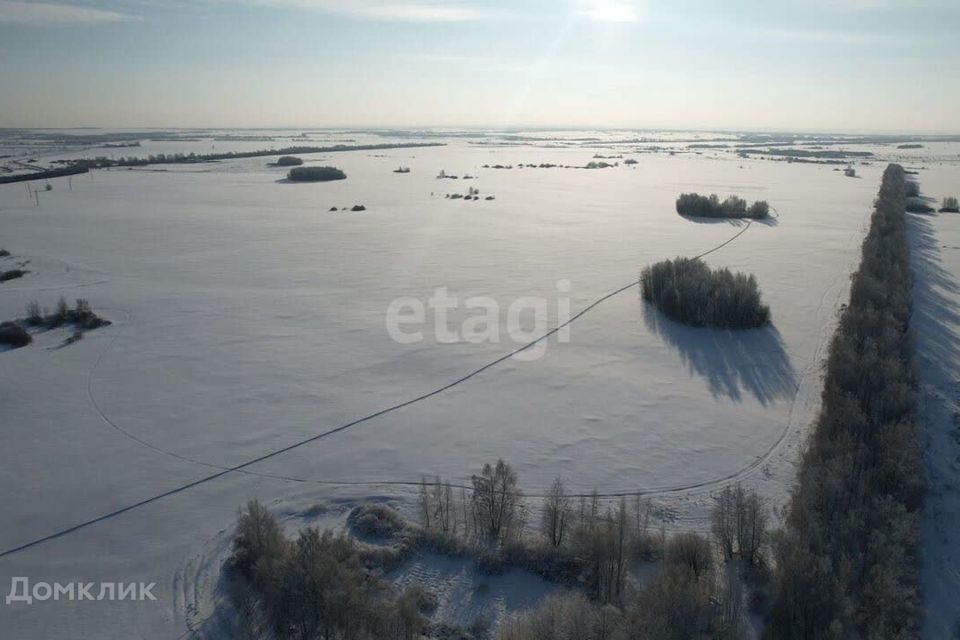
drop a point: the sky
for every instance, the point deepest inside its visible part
(801, 65)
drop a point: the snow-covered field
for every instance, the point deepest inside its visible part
(248, 317)
(935, 247)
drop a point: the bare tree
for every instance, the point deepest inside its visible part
(556, 513)
(740, 524)
(496, 500)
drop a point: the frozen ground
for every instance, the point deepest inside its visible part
(248, 317)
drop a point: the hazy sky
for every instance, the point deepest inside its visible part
(804, 64)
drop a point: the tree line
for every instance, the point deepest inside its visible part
(847, 558)
(102, 162)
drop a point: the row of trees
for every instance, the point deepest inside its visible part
(698, 206)
(847, 560)
(687, 290)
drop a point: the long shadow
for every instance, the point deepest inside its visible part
(934, 322)
(935, 292)
(770, 221)
(734, 363)
(734, 222)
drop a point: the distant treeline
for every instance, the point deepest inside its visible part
(189, 158)
(72, 170)
(806, 153)
(84, 165)
(847, 561)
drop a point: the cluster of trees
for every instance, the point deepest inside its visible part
(315, 174)
(315, 586)
(697, 206)
(701, 585)
(322, 585)
(687, 290)
(950, 205)
(81, 316)
(699, 590)
(847, 560)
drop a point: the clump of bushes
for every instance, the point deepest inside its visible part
(358, 207)
(686, 290)
(315, 586)
(81, 317)
(13, 335)
(12, 274)
(4, 253)
(376, 520)
(847, 560)
(288, 161)
(315, 174)
(949, 205)
(698, 206)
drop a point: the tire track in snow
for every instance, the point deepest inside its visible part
(243, 467)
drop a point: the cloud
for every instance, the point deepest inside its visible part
(397, 10)
(609, 10)
(52, 13)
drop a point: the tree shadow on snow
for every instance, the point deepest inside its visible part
(934, 293)
(733, 222)
(769, 221)
(935, 316)
(733, 363)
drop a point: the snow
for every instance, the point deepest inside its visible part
(247, 317)
(467, 597)
(935, 254)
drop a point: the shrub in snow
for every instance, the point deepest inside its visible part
(13, 335)
(376, 520)
(950, 205)
(11, 274)
(289, 161)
